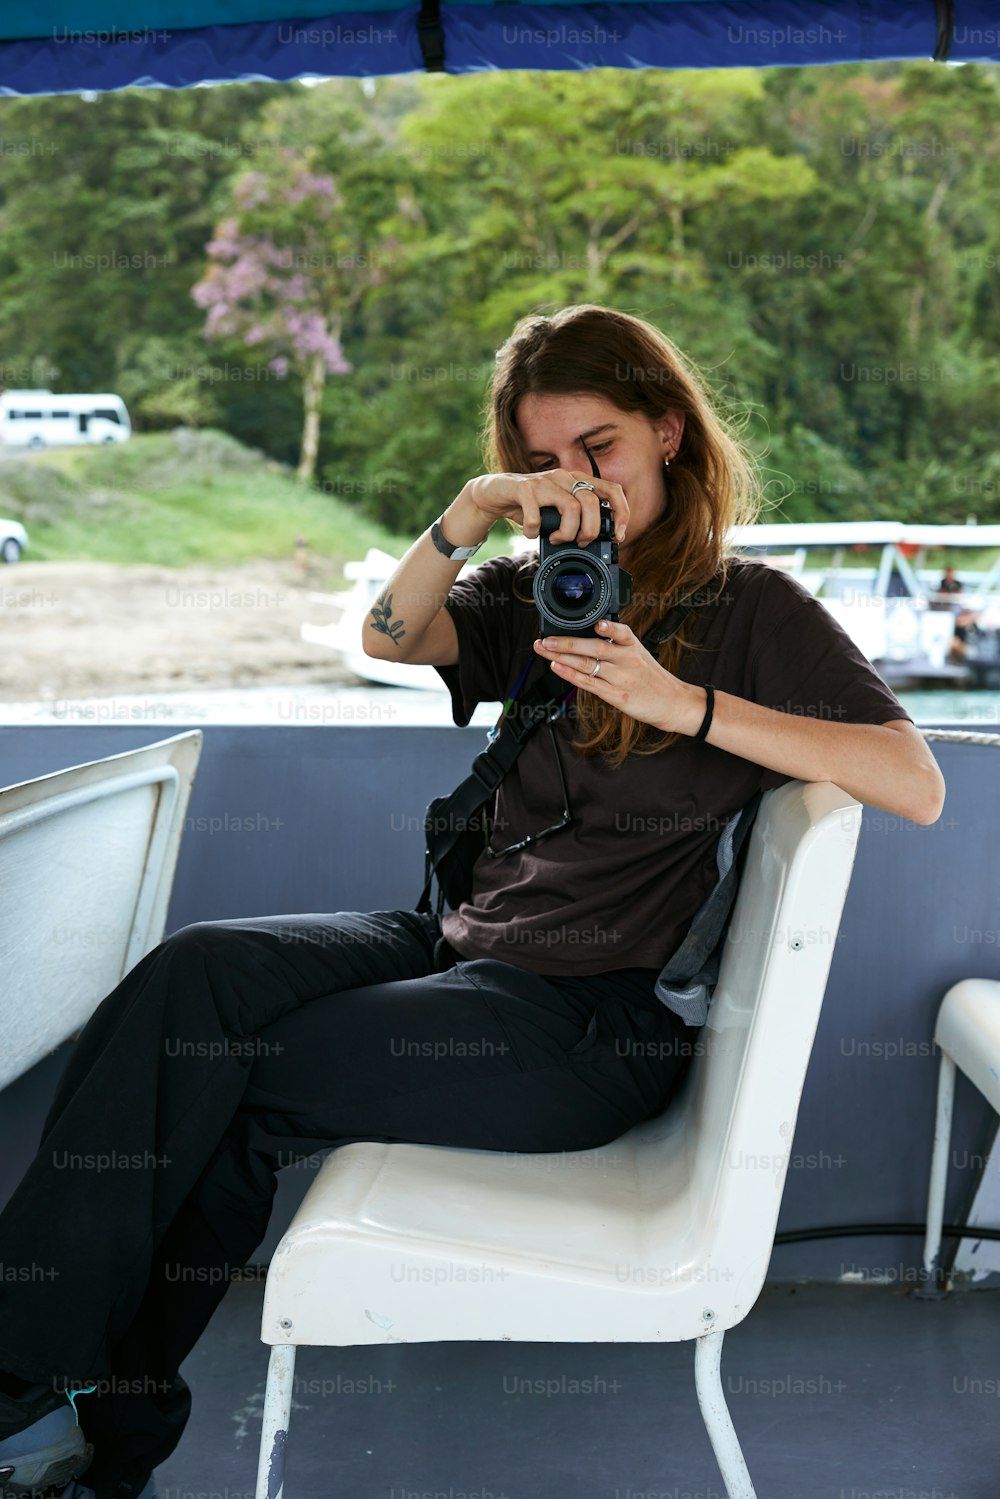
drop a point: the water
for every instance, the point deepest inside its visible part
(301, 704)
(960, 709)
(347, 707)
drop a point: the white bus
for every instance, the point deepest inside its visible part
(39, 419)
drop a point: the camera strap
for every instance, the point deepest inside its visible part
(449, 819)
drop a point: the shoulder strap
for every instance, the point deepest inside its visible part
(687, 980)
(669, 624)
(449, 818)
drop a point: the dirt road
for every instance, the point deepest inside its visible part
(82, 629)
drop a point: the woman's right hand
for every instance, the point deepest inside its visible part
(519, 498)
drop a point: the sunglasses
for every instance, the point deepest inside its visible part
(567, 815)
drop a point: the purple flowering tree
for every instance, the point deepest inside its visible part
(276, 281)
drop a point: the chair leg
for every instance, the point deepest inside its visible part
(934, 1284)
(274, 1430)
(715, 1413)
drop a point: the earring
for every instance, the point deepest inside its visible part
(666, 463)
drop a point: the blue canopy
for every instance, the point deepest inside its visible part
(68, 46)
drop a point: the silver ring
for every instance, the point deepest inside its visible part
(582, 484)
(597, 667)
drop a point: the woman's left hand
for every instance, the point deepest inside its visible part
(629, 678)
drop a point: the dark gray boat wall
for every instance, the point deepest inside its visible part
(309, 818)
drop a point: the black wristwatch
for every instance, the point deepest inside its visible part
(457, 554)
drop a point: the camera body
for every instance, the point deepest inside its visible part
(576, 586)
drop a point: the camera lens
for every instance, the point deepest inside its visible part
(573, 590)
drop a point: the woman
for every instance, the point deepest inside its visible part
(237, 1047)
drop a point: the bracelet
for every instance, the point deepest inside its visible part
(706, 722)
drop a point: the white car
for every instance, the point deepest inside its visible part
(13, 540)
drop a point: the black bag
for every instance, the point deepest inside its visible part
(457, 827)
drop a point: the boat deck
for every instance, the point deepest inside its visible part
(836, 1392)
(919, 671)
(840, 1387)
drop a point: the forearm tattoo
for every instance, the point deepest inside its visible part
(381, 615)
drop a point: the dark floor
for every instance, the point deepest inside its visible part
(837, 1392)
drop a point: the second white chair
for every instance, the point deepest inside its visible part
(87, 860)
(967, 1031)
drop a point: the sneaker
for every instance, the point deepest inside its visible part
(33, 1402)
(40, 1451)
(77, 1490)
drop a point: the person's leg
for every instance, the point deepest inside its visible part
(150, 1087)
(484, 1056)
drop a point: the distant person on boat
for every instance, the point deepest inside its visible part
(965, 619)
(529, 1019)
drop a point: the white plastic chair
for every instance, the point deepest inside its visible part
(670, 1242)
(967, 1032)
(87, 860)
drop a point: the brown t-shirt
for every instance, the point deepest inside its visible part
(619, 887)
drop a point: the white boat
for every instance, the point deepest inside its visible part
(882, 586)
(353, 604)
(878, 583)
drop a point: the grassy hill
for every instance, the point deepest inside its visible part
(181, 497)
(187, 496)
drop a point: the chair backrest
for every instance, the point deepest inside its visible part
(713, 1164)
(87, 860)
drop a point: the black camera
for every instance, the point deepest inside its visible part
(576, 586)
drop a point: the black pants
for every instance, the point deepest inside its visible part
(235, 1048)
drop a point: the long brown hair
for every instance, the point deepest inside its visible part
(712, 482)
